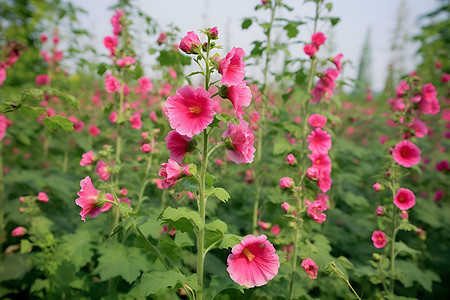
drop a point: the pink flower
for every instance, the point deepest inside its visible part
(401, 88)
(318, 38)
(102, 170)
(404, 199)
(312, 173)
(232, 67)
(2, 75)
(290, 159)
(146, 148)
(253, 262)
(162, 38)
(135, 120)
(379, 239)
(124, 192)
(125, 62)
(93, 130)
(324, 181)
(110, 42)
(404, 215)
(42, 197)
(443, 166)
(379, 210)
(213, 33)
(286, 182)
(43, 38)
(338, 63)
(310, 267)
(275, 229)
(319, 141)
(18, 231)
(263, 225)
(42, 79)
(89, 200)
(310, 50)
(438, 195)
(420, 129)
(445, 78)
(190, 111)
(153, 117)
(113, 117)
(382, 139)
(171, 171)
(406, 154)
(239, 95)
(112, 84)
(173, 73)
(3, 126)
(285, 206)
(316, 120)
(376, 187)
(320, 160)
(190, 43)
(145, 85)
(178, 145)
(315, 210)
(239, 141)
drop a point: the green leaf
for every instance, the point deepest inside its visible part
(210, 179)
(119, 260)
(56, 122)
(25, 246)
(329, 6)
(32, 112)
(155, 282)
(402, 247)
(229, 241)
(78, 247)
(184, 240)
(101, 69)
(246, 23)
(406, 226)
(222, 195)
(281, 146)
(334, 21)
(291, 29)
(125, 209)
(220, 283)
(181, 218)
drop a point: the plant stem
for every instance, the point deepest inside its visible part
(294, 259)
(144, 184)
(394, 233)
(2, 193)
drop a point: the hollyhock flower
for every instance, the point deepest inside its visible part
(145, 85)
(135, 120)
(379, 210)
(383, 139)
(319, 141)
(190, 111)
(376, 187)
(3, 126)
(438, 195)
(312, 173)
(263, 225)
(324, 181)
(107, 205)
(112, 84)
(102, 170)
(318, 38)
(232, 67)
(406, 154)
(397, 104)
(430, 107)
(320, 160)
(42, 197)
(253, 262)
(445, 78)
(239, 95)
(290, 159)
(310, 49)
(93, 130)
(78, 125)
(275, 229)
(91, 200)
(428, 92)
(379, 239)
(113, 117)
(173, 73)
(404, 199)
(310, 267)
(162, 38)
(286, 182)
(401, 88)
(42, 79)
(153, 117)
(315, 210)
(338, 64)
(125, 62)
(146, 148)
(420, 129)
(110, 42)
(438, 65)
(172, 171)
(239, 141)
(443, 166)
(190, 43)
(18, 231)
(178, 145)
(124, 192)
(404, 215)
(316, 120)
(2, 75)
(285, 206)
(43, 38)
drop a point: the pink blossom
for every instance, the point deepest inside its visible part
(320, 160)
(286, 206)
(115, 21)
(173, 73)
(42, 79)
(239, 95)
(312, 173)
(310, 267)
(324, 181)
(125, 62)
(107, 205)
(112, 84)
(18, 231)
(171, 171)
(253, 262)
(404, 199)
(430, 107)
(420, 129)
(315, 210)
(124, 192)
(286, 182)
(190, 43)
(102, 170)
(2, 75)
(275, 229)
(213, 33)
(162, 38)
(42, 197)
(135, 120)
(145, 85)
(263, 225)
(383, 139)
(93, 130)
(443, 166)
(376, 187)
(239, 141)
(43, 38)
(379, 239)
(310, 49)
(146, 148)
(404, 215)
(379, 210)
(3, 126)
(406, 154)
(290, 159)
(113, 117)
(318, 38)
(438, 195)
(178, 145)
(401, 88)
(445, 78)
(319, 140)
(316, 120)
(438, 65)
(110, 42)
(90, 199)
(190, 111)
(232, 67)
(338, 64)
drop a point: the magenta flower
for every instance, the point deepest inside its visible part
(253, 262)
(442, 166)
(135, 120)
(315, 210)
(178, 145)
(110, 42)
(102, 170)
(286, 182)
(172, 171)
(239, 141)
(42, 79)
(239, 95)
(319, 140)
(113, 117)
(404, 215)
(42, 197)
(18, 231)
(275, 229)
(263, 225)
(310, 267)
(286, 206)
(93, 130)
(420, 129)
(404, 199)
(318, 38)
(324, 181)
(145, 85)
(3, 126)
(338, 64)
(232, 67)
(112, 84)
(379, 210)
(406, 154)
(320, 160)
(438, 195)
(2, 75)
(190, 43)
(376, 187)
(213, 33)
(146, 148)
(290, 159)
(310, 49)
(89, 200)
(379, 239)
(125, 62)
(190, 111)
(162, 38)
(316, 120)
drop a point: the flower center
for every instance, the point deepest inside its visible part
(249, 255)
(318, 162)
(195, 110)
(403, 153)
(401, 199)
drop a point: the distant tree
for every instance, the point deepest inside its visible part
(364, 79)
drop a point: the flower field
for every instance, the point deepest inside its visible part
(196, 178)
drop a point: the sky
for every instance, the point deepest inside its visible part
(347, 37)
